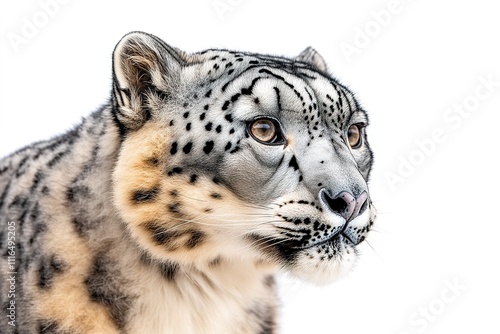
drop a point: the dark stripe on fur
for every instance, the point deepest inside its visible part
(104, 284)
(145, 195)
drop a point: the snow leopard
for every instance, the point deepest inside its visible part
(173, 207)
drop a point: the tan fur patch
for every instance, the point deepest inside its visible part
(140, 166)
(67, 302)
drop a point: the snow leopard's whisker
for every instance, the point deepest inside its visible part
(249, 205)
(236, 223)
(265, 244)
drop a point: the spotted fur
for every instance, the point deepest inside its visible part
(163, 212)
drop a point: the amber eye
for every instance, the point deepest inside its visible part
(354, 135)
(266, 131)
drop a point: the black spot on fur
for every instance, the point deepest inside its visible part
(188, 127)
(174, 207)
(175, 170)
(161, 234)
(173, 148)
(226, 105)
(19, 202)
(196, 239)
(208, 127)
(80, 225)
(229, 118)
(154, 161)
(209, 145)
(57, 158)
(293, 163)
(105, 286)
(278, 97)
(216, 196)
(71, 193)
(186, 114)
(218, 129)
(4, 194)
(47, 270)
(38, 230)
(84, 222)
(193, 179)
(228, 146)
(145, 195)
(187, 148)
(168, 269)
(19, 169)
(235, 97)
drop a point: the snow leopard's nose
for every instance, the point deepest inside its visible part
(344, 203)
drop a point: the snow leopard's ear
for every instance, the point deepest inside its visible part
(312, 57)
(145, 69)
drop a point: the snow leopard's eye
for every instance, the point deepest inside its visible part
(266, 131)
(354, 135)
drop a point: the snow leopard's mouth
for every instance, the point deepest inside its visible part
(335, 240)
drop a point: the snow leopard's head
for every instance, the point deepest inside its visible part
(237, 156)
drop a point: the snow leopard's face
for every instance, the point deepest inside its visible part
(229, 156)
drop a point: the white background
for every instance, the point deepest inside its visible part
(438, 220)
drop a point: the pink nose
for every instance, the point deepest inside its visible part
(345, 204)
